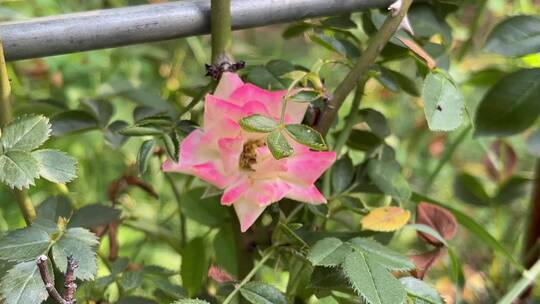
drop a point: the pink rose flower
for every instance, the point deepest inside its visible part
(224, 155)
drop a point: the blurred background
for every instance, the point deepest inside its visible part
(167, 73)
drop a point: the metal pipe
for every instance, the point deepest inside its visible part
(100, 29)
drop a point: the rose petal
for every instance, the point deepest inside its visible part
(266, 192)
(309, 194)
(295, 112)
(228, 83)
(217, 110)
(235, 191)
(247, 213)
(309, 166)
(188, 154)
(230, 150)
(210, 172)
(255, 107)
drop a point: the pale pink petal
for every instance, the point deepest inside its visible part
(188, 154)
(228, 83)
(254, 107)
(235, 191)
(230, 150)
(210, 172)
(223, 128)
(247, 213)
(309, 194)
(295, 112)
(249, 92)
(216, 110)
(266, 192)
(309, 166)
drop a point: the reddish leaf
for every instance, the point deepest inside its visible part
(506, 156)
(438, 218)
(121, 184)
(436, 145)
(219, 275)
(135, 181)
(425, 260)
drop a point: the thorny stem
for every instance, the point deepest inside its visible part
(474, 27)
(178, 198)
(221, 30)
(344, 135)
(25, 204)
(221, 34)
(250, 275)
(69, 281)
(359, 73)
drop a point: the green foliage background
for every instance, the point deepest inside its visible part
(166, 73)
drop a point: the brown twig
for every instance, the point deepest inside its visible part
(47, 280)
(69, 280)
(359, 73)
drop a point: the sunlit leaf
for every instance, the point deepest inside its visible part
(18, 169)
(25, 133)
(56, 166)
(443, 102)
(386, 219)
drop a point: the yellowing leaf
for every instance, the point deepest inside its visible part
(386, 219)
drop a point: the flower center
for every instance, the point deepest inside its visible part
(248, 157)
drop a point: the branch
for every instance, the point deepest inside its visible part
(25, 204)
(250, 275)
(69, 280)
(359, 73)
(47, 280)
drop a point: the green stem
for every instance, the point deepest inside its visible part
(178, 198)
(221, 30)
(244, 258)
(446, 157)
(527, 278)
(351, 120)
(25, 204)
(474, 27)
(532, 235)
(344, 136)
(359, 73)
(249, 275)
